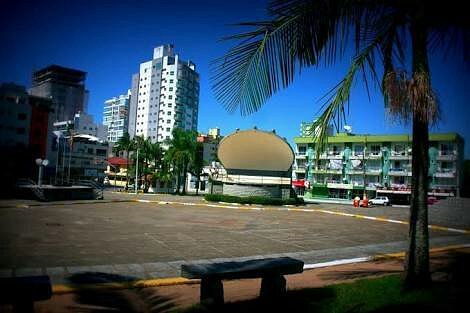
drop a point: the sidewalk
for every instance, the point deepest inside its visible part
(178, 296)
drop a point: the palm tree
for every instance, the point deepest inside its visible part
(155, 155)
(180, 154)
(303, 33)
(197, 163)
(124, 144)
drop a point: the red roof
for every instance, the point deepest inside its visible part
(118, 161)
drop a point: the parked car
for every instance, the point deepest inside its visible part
(432, 200)
(380, 201)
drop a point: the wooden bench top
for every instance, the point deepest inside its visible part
(245, 269)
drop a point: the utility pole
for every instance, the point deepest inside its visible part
(136, 171)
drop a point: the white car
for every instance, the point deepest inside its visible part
(380, 200)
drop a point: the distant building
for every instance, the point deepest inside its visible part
(83, 123)
(24, 123)
(88, 158)
(66, 88)
(116, 116)
(375, 164)
(210, 143)
(165, 95)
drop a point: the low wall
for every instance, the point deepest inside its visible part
(240, 190)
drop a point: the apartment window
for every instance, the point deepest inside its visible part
(375, 149)
(171, 81)
(168, 129)
(21, 116)
(358, 150)
(20, 130)
(446, 149)
(168, 113)
(172, 73)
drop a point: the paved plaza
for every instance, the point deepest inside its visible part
(151, 239)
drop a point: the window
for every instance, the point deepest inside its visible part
(172, 73)
(20, 130)
(171, 81)
(170, 97)
(168, 129)
(168, 121)
(168, 113)
(21, 116)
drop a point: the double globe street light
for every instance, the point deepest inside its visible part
(41, 163)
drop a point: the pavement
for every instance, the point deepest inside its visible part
(444, 265)
(142, 237)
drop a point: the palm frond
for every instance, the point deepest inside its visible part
(267, 58)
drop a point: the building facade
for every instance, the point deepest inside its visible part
(165, 95)
(375, 164)
(24, 123)
(83, 123)
(66, 88)
(116, 116)
(210, 143)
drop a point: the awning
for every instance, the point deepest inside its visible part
(298, 183)
(118, 161)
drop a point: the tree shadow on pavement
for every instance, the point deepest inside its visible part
(111, 299)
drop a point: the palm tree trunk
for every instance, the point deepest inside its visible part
(185, 169)
(417, 257)
(127, 169)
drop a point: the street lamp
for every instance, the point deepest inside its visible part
(40, 163)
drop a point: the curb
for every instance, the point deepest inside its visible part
(173, 281)
(64, 289)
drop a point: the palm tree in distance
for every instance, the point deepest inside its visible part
(304, 33)
(180, 154)
(124, 144)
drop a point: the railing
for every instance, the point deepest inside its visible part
(37, 191)
(268, 180)
(97, 188)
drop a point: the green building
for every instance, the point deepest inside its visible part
(376, 164)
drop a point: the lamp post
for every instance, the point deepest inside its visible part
(40, 163)
(136, 171)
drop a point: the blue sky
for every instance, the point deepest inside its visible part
(109, 39)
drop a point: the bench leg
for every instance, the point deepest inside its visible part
(273, 287)
(212, 292)
(25, 306)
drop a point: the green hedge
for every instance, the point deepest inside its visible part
(251, 200)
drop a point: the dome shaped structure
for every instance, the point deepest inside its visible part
(255, 151)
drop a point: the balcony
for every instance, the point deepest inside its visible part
(357, 156)
(445, 173)
(374, 155)
(333, 171)
(399, 172)
(373, 171)
(447, 156)
(300, 155)
(400, 156)
(319, 171)
(335, 155)
(356, 171)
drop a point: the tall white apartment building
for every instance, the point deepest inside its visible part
(116, 116)
(165, 95)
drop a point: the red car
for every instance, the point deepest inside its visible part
(432, 200)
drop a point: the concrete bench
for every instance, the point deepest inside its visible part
(22, 292)
(271, 271)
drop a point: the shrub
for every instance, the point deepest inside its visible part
(252, 200)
